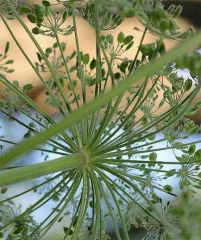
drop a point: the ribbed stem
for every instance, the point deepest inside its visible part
(20, 174)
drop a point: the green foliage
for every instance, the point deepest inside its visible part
(104, 153)
(107, 20)
(4, 65)
(5, 9)
(22, 226)
(187, 211)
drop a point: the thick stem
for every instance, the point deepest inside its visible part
(19, 174)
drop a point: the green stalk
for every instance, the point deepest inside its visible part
(83, 85)
(59, 85)
(97, 213)
(138, 51)
(116, 203)
(110, 208)
(59, 209)
(98, 50)
(101, 100)
(119, 126)
(35, 187)
(67, 146)
(84, 123)
(122, 140)
(24, 173)
(52, 70)
(159, 217)
(84, 204)
(121, 192)
(63, 94)
(69, 77)
(43, 200)
(29, 101)
(91, 129)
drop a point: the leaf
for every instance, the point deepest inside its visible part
(27, 87)
(63, 46)
(92, 64)
(27, 135)
(48, 51)
(153, 156)
(144, 121)
(7, 48)
(55, 45)
(32, 18)
(24, 9)
(192, 149)
(72, 69)
(120, 37)
(16, 83)
(9, 62)
(46, 3)
(39, 57)
(198, 154)
(72, 85)
(4, 190)
(10, 70)
(110, 38)
(168, 188)
(91, 204)
(38, 10)
(117, 75)
(85, 59)
(128, 39)
(66, 14)
(67, 229)
(72, 55)
(170, 173)
(152, 137)
(129, 46)
(161, 47)
(123, 66)
(35, 30)
(188, 84)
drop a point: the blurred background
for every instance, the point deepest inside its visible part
(191, 12)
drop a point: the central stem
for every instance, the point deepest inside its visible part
(23, 173)
(86, 157)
